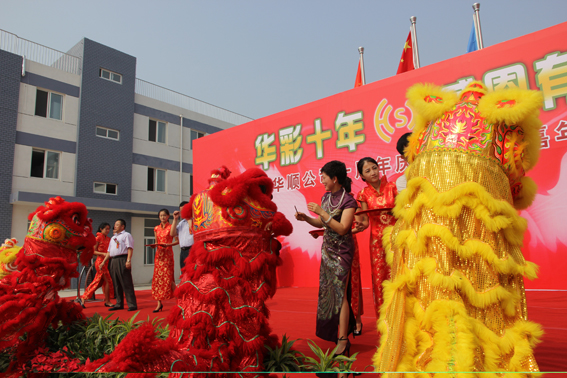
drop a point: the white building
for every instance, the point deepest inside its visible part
(80, 125)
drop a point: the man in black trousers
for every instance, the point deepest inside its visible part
(120, 248)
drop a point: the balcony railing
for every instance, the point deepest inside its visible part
(69, 63)
(39, 53)
(162, 94)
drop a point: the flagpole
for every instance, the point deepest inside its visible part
(476, 17)
(361, 52)
(415, 50)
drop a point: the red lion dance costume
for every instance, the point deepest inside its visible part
(220, 323)
(31, 276)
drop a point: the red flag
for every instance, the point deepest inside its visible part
(406, 62)
(358, 81)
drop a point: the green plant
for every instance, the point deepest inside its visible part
(327, 361)
(283, 358)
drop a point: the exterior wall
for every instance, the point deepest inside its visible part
(108, 104)
(11, 68)
(65, 129)
(90, 101)
(63, 186)
(166, 156)
(19, 226)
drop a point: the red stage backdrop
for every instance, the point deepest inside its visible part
(293, 145)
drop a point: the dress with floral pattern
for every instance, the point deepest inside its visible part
(102, 274)
(337, 253)
(385, 199)
(163, 281)
(355, 282)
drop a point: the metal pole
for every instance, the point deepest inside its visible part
(180, 158)
(479, 41)
(415, 50)
(361, 51)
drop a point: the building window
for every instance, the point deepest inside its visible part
(196, 135)
(191, 184)
(109, 75)
(149, 238)
(102, 187)
(156, 131)
(45, 164)
(103, 132)
(49, 104)
(156, 180)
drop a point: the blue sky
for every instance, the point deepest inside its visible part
(257, 57)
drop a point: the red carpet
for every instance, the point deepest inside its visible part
(293, 313)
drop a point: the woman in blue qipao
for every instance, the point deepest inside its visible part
(335, 215)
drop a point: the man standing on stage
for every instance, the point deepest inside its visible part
(183, 230)
(120, 248)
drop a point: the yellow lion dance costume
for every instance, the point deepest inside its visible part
(456, 300)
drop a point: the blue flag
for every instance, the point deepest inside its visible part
(472, 46)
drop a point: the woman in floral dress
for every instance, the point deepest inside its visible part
(102, 277)
(163, 282)
(378, 194)
(335, 214)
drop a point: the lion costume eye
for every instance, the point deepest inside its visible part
(75, 217)
(54, 233)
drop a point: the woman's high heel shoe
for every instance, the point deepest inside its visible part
(358, 332)
(159, 309)
(79, 301)
(346, 351)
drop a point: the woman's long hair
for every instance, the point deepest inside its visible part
(337, 169)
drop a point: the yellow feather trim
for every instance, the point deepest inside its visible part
(7, 256)
(417, 245)
(497, 215)
(457, 281)
(413, 140)
(526, 195)
(425, 111)
(532, 138)
(455, 337)
(526, 103)
(430, 110)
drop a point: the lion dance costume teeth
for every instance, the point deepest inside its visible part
(32, 275)
(220, 322)
(456, 299)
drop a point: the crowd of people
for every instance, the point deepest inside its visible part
(342, 215)
(113, 262)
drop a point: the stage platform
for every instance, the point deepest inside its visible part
(293, 312)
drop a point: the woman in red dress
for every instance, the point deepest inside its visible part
(102, 277)
(379, 194)
(163, 283)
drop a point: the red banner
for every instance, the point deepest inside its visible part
(293, 145)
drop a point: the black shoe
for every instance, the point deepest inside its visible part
(108, 305)
(114, 308)
(158, 309)
(132, 308)
(358, 332)
(346, 351)
(78, 300)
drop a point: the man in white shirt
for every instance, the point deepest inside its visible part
(183, 229)
(120, 248)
